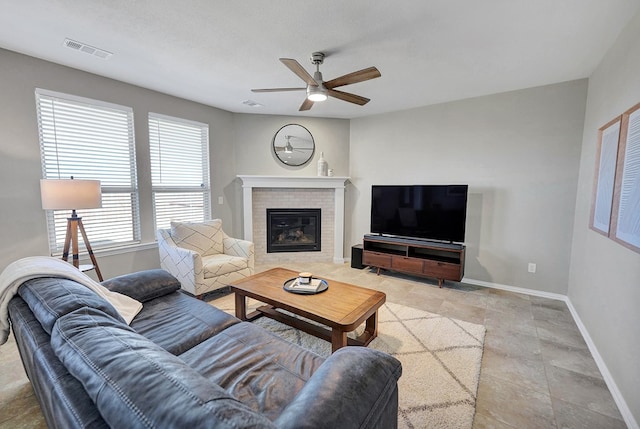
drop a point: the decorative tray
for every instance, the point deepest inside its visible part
(317, 285)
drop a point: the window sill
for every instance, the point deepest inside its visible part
(111, 251)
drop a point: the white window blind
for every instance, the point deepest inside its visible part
(179, 170)
(90, 139)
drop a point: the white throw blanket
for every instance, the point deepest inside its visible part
(44, 266)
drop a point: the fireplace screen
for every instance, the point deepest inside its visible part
(293, 230)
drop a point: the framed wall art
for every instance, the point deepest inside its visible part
(625, 216)
(604, 183)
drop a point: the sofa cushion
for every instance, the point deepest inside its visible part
(218, 265)
(255, 366)
(177, 322)
(143, 286)
(50, 298)
(135, 383)
(205, 238)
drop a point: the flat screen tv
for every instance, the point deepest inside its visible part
(433, 212)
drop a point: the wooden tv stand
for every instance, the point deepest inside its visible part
(443, 261)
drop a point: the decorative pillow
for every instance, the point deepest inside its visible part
(143, 286)
(203, 237)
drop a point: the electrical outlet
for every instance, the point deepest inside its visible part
(532, 267)
(220, 200)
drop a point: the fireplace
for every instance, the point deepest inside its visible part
(327, 193)
(293, 230)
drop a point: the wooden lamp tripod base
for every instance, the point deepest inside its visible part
(71, 240)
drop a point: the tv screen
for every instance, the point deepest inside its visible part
(435, 212)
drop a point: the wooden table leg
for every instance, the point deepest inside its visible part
(369, 333)
(372, 325)
(338, 339)
(241, 307)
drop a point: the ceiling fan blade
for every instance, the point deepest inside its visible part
(295, 67)
(346, 96)
(278, 89)
(306, 105)
(355, 77)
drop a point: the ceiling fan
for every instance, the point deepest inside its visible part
(319, 90)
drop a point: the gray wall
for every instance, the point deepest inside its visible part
(519, 153)
(604, 281)
(23, 232)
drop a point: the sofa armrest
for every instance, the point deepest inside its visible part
(238, 247)
(356, 387)
(184, 264)
(144, 285)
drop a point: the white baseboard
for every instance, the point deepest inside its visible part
(628, 417)
(515, 289)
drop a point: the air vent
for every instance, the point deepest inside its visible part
(251, 103)
(87, 49)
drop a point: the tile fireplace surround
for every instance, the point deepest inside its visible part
(305, 190)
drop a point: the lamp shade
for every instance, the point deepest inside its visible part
(71, 194)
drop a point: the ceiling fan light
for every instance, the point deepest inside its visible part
(316, 93)
(317, 96)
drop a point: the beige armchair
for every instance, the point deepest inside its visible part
(202, 257)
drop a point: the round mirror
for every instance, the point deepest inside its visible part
(293, 145)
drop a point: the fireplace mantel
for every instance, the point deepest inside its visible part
(297, 182)
(317, 182)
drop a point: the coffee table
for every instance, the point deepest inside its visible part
(341, 308)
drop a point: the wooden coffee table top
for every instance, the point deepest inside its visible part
(343, 306)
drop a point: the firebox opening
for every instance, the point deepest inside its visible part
(293, 230)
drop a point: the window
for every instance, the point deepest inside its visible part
(90, 139)
(179, 170)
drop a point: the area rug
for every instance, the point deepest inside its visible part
(440, 358)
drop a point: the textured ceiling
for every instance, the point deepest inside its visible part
(428, 51)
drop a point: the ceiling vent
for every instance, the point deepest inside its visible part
(251, 103)
(87, 49)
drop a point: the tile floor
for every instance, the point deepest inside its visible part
(537, 371)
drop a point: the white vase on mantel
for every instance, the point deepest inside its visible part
(323, 167)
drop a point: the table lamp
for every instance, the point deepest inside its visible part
(72, 194)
